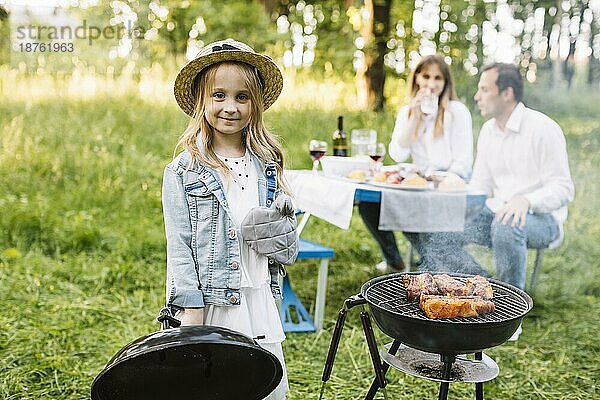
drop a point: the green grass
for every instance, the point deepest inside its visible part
(82, 253)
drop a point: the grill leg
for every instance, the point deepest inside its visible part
(443, 395)
(372, 344)
(446, 373)
(479, 385)
(333, 347)
(375, 385)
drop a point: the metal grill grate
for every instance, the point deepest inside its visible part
(390, 295)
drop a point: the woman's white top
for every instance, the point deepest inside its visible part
(453, 151)
(257, 313)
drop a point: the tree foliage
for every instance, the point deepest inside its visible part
(195, 23)
(551, 39)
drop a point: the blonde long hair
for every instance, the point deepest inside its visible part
(256, 136)
(448, 93)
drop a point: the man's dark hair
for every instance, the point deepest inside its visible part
(508, 76)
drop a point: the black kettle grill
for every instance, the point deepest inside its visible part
(189, 362)
(417, 336)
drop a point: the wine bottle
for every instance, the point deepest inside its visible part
(340, 141)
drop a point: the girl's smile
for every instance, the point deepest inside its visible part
(229, 119)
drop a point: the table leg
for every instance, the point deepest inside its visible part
(302, 223)
(321, 294)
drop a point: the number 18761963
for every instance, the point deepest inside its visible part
(34, 47)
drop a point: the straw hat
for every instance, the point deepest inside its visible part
(227, 50)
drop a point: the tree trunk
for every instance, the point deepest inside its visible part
(569, 66)
(557, 65)
(178, 37)
(593, 61)
(370, 78)
(4, 36)
(592, 66)
(269, 6)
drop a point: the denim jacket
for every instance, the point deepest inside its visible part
(203, 256)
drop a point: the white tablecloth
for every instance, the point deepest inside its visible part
(327, 198)
(426, 211)
(332, 200)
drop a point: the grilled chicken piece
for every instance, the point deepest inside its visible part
(449, 286)
(480, 287)
(451, 307)
(416, 285)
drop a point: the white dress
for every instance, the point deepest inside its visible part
(257, 313)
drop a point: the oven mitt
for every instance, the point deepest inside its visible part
(272, 231)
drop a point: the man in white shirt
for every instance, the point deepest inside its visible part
(522, 167)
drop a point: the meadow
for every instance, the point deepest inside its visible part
(82, 248)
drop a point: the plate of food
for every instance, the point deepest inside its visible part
(393, 180)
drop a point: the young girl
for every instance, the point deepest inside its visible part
(436, 136)
(230, 164)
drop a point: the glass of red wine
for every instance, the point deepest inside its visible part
(377, 152)
(317, 149)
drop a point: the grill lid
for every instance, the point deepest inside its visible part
(190, 362)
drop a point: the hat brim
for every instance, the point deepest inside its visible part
(268, 70)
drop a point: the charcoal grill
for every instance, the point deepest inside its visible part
(189, 362)
(444, 338)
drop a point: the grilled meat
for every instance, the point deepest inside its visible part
(481, 287)
(452, 307)
(444, 284)
(449, 286)
(442, 296)
(416, 285)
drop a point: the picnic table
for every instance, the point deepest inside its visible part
(333, 198)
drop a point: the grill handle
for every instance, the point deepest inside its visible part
(166, 319)
(353, 301)
(333, 346)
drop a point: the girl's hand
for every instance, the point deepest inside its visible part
(192, 316)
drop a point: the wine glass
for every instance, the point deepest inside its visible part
(317, 150)
(377, 152)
